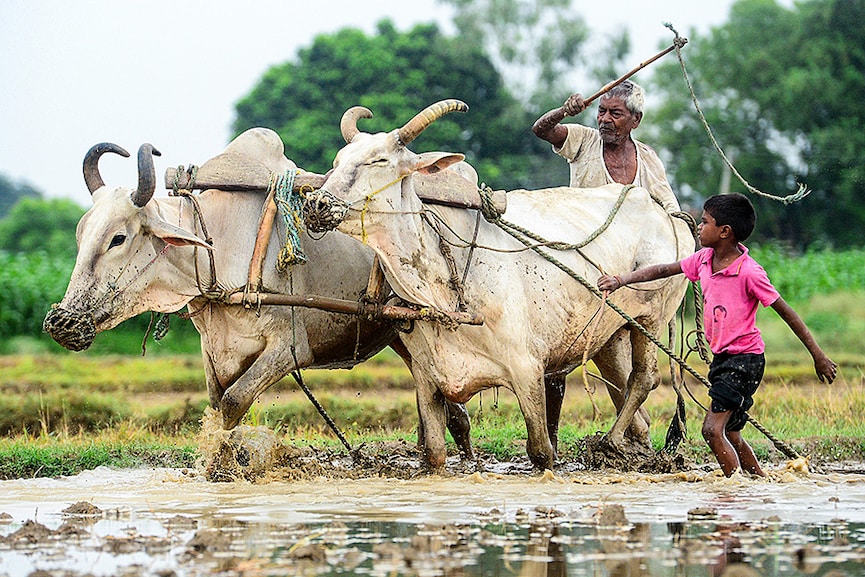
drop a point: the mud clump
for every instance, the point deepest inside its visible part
(82, 509)
(255, 454)
(599, 454)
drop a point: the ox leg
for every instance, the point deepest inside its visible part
(215, 389)
(538, 445)
(432, 422)
(458, 422)
(643, 379)
(614, 363)
(274, 362)
(554, 386)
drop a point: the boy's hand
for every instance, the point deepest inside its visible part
(826, 369)
(610, 282)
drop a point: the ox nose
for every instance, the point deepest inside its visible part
(73, 330)
(322, 211)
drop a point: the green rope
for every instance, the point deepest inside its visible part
(290, 204)
(803, 190)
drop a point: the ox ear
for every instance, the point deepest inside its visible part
(433, 162)
(174, 235)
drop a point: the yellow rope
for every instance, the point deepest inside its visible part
(367, 200)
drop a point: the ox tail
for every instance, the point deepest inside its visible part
(677, 430)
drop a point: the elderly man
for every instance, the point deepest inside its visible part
(608, 154)
(597, 157)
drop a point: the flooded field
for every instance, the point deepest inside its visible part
(165, 522)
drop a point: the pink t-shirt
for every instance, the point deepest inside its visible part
(730, 299)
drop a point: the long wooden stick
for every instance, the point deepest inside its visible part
(353, 307)
(679, 42)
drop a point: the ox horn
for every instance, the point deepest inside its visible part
(91, 164)
(146, 175)
(427, 116)
(348, 124)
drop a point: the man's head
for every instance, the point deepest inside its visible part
(620, 111)
(733, 210)
(631, 93)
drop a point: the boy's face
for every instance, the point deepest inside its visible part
(708, 231)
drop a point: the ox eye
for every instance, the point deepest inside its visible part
(378, 161)
(117, 240)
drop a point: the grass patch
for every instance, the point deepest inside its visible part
(26, 456)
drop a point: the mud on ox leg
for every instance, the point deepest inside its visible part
(456, 415)
(614, 363)
(644, 378)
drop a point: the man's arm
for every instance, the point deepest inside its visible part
(826, 369)
(613, 282)
(548, 126)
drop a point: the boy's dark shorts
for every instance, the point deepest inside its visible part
(734, 380)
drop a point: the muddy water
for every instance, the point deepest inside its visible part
(175, 522)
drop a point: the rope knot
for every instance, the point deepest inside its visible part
(488, 209)
(290, 203)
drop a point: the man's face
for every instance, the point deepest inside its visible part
(615, 121)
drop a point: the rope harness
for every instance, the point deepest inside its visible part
(535, 243)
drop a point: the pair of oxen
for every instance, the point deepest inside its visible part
(138, 253)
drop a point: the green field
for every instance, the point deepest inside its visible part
(61, 412)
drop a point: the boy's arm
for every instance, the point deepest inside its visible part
(826, 369)
(613, 282)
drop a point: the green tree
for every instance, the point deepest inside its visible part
(782, 90)
(396, 75)
(41, 225)
(11, 192)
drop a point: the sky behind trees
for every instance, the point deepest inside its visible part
(170, 73)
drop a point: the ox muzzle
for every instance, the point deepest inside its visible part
(322, 211)
(72, 330)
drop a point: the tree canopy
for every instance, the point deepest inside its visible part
(11, 192)
(535, 44)
(396, 75)
(36, 225)
(782, 90)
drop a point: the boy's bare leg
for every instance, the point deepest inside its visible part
(747, 458)
(715, 435)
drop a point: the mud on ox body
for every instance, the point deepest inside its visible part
(535, 314)
(137, 253)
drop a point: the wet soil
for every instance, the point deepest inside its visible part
(255, 506)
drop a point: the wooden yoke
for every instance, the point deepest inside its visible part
(233, 172)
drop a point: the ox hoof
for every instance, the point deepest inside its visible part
(543, 462)
(435, 460)
(232, 411)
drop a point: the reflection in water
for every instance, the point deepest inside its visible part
(172, 523)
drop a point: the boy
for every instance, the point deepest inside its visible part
(732, 281)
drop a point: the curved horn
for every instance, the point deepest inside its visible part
(427, 116)
(146, 175)
(92, 178)
(348, 124)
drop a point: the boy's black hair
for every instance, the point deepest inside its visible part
(734, 210)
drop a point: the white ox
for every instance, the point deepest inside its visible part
(138, 253)
(537, 317)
